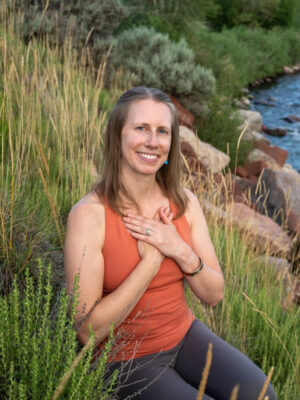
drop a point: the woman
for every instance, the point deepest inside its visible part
(132, 241)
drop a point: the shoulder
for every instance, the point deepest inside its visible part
(194, 210)
(87, 216)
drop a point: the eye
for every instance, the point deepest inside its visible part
(163, 131)
(140, 128)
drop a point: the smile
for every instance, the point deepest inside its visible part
(149, 156)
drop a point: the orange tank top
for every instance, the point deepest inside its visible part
(161, 317)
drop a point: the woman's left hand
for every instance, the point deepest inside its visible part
(158, 231)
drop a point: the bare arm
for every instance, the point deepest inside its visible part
(208, 284)
(83, 256)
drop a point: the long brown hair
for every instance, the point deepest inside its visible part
(110, 185)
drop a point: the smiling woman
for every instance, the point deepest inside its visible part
(133, 240)
(145, 138)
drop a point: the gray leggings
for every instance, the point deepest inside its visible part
(176, 374)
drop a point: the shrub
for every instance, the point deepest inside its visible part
(220, 129)
(264, 13)
(149, 58)
(38, 346)
(87, 22)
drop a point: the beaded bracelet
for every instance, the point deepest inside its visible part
(196, 270)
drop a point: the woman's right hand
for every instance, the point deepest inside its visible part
(147, 250)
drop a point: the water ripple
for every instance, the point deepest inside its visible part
(285, 94)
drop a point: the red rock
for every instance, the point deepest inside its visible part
(296, 293)
(255, 168)
(265, 234)
(293, 221)
(275, 131)
(253, 180)
(184, 116)
(294, 118)
(241, 171)
(278, 154)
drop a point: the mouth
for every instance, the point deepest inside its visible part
(148, 156)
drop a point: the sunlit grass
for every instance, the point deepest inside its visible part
(52, 114)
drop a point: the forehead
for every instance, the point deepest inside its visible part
(150, 112)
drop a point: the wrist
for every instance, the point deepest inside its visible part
(197, 270)
(188, 260)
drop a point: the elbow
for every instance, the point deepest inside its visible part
(217, 300)
(218, 297)
(82, 337)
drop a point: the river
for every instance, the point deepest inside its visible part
(285, 95)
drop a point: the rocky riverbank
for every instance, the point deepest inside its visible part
(261, 197)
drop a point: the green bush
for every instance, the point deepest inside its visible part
(149, 58)
(240, 55)
(220, 129)
(38, 346)
(264, 13)
(86, 22)
(169, 17)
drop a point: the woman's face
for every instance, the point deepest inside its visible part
(146, 137)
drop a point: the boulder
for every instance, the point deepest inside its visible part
(252, 136)
(245, 101)
(245, 91)
(288, 70)
(293, 222)
(253, 119)
(241, 171)
(184, 116)
(212, 159)
(289, 181)
(274, 131)
(269, 199)
(275, 152)
(255, 168)
(291, 119)
(264, 103)
(240, 105)
(259, 155)
(194, 165)
(265, 234)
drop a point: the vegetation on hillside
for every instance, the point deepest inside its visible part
(53, 107)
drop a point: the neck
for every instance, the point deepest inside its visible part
(141, 188)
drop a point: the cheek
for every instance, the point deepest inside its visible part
(167, 145)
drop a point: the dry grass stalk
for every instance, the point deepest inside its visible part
(267, 381)
(52, 206)
(205, 372)
(234, 393)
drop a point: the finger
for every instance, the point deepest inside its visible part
(156, 216)
(137, 219)
(139, 223)
(138, 228)
(164, 218)
(169, 213)
(140, 236)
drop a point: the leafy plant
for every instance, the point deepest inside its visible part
(149, 58)
(38, 346)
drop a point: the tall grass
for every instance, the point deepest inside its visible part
(52, 112)
(257, 315)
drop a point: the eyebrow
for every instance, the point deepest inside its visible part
(159, 127)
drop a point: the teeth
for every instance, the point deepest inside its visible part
(150, 156)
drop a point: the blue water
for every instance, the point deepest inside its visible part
(286, 92)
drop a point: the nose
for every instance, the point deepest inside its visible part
(152, 140)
